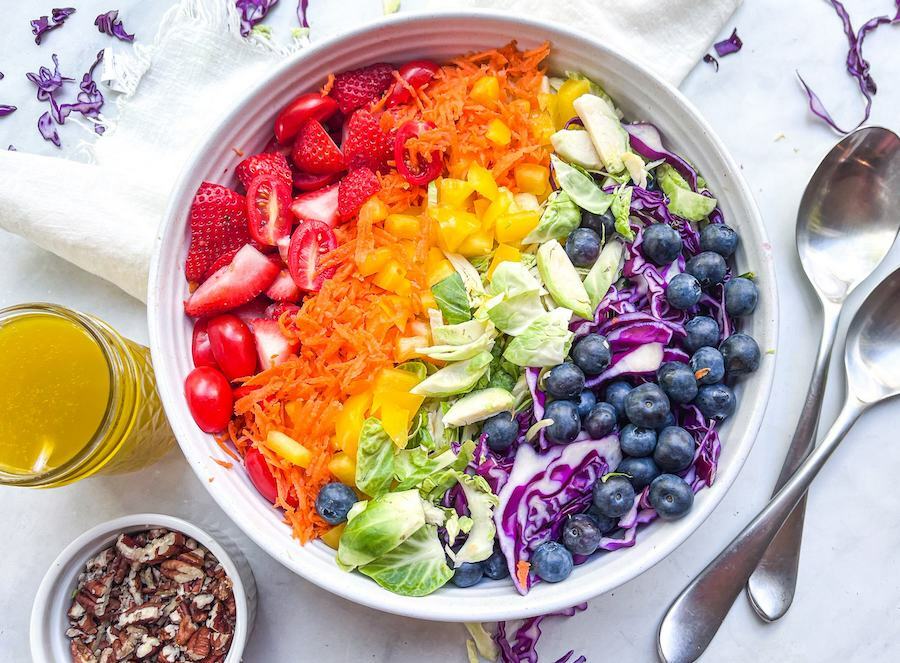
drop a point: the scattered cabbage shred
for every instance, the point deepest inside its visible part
(44, 24)
(109, 24)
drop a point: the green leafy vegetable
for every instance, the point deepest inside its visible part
(483, 641)
(517, 300)
(478, 406)
(416, 567)
(621, 209)
(602, 123)
(457, 378)
(560, 217)
(546, 342)
(575, 146)
(682, 201)
(481, 502)
(604, 272)
(469, 275)
(413, 466)
(450, 295)
(562, 280)
(374, 459)
(383, 524)
(580, 187)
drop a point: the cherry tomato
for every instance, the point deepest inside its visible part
(309, 106)
(311, 240)
(201, 351)
(307, 182)
(260, 475)
(416, 73)
(268, 209)
(209, 398)
(427, 170)
(232, 346)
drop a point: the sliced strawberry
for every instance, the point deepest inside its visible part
(276, 310)
(321, 205)
(256, 308)
(283, 289)
(315, 152)
(268, 163)
(355, 189)
(311, 240)
(248, 274)
(220, 262)
(365, 143)
(218, 222)
(271, 345)
(274, 146)
(307, 182)
(360, 87)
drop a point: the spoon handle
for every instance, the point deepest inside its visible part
(695, 616)
(771, 587)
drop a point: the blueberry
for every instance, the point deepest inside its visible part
(741, 353)
(495, 566)
(467, 574)
(677, 380)
(566, 423)
(501, 430)
(583, 247)
(674, 450)
(708, 365)
(615, 396)
(591, 354)
(600, 420)
(637, 441)
(602, 224)
(647, 406)
(668, 421)
(661, 243)
(683, 291)
(551, 562)
(334, 501)
(604, 523)
(652, 184)
(671, 496)
(581, 535)
(701, 330)
(564, 381)
(719, 238)
(707, 267)
(585, 403)
(716, 401)
(640, 470)
(741, 296)
(613, 497)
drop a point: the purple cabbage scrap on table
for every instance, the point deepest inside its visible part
(44, 24)
(109, 24)
(522, 647)
(725, 47)
(253, 12)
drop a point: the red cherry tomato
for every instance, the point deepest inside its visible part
(309, 106)
(307, 182)
(232, 346)
(201, 351)
(427, 170)
(311, 240)
(209, 399)
(260, 475)
(269, 209)
(416, 73)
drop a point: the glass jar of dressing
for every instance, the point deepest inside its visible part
(76, 398)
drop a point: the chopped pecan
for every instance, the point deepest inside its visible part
(81, 653)
(157, 549)
(148, 646)
(181, 571)
(168, 654)
(94, 595)
(140, 614)
(200, 645)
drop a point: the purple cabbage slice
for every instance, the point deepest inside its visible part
(42, 25)
(709, 59)
(48, 82)
(646, 141)
(6, 110)
(47, 129)
(253, 12)
(728, 46)
(110, 24)
(523, 646)
(302, 8)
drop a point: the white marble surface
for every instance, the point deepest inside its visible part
(849, 593)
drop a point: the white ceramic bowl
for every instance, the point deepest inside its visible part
(49, 643)
(642, 96)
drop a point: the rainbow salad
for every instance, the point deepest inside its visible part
(462, 321)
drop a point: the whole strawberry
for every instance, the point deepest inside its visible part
(366, 144)
(360, 87)
(268, 163)
(218, 222)
(355, 189)
(315, 151)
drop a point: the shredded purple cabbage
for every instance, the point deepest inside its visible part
(48, 82)
(109, 24)
(857, 65)
(253, 12)
(302, 8)
(645, 139)
(44, 24)
(11, 148)
(728, 46)
(709, 59)
(522, 648)
(6, 110)
(87, 103)
(47, 129)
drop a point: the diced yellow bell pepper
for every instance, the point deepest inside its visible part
(426, 297)
(486, 90)
(332, 537)
(373, 210)
(396, 309)
(547, 102)
(288, 448)
(454, 192)
(511, 228)
(503, 204)
(498, 133)
(531, 178)
(435, 255)
(504, 253)
(343, 467)
(477, 244)
(481, 205)
(483, 181)
(392, 277)
(393, 379)
(543, 126)
(568, 93)
(373, 261)
(439, 272)
(408, 347)
(350, 422)
(454, 227)
(293, 410)
(396, 424)
(404, 226)
(526, 201)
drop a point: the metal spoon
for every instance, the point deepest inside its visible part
(872, 366)
(847, 221)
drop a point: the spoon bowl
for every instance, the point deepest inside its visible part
(873, 344)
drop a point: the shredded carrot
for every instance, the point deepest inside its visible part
(522, 569)
(223, 463)
(329, 83)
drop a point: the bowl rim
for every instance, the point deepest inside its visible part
(568, 594)
(42, 635)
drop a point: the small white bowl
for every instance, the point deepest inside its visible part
(49, 643)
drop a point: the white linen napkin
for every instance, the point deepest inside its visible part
(103, 216)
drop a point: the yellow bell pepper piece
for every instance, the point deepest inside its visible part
(498, 133)
(372, 261)
(332, 537)
(396, 424)
(343, 466)
(373, 210)
(408, 347)
(454, 226)
(486, 90)
(350, 422)
(501, 205)
(504, 253)
(543, 126)
(426, 297)
(483, 181)
(477, 244)
(404, 226)
(439, 272)
(288, 448)
(481, 205)
(454, 192)
(568, 93)
(511, 228)
(392, 277)
(532, 178)
(392, 379)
